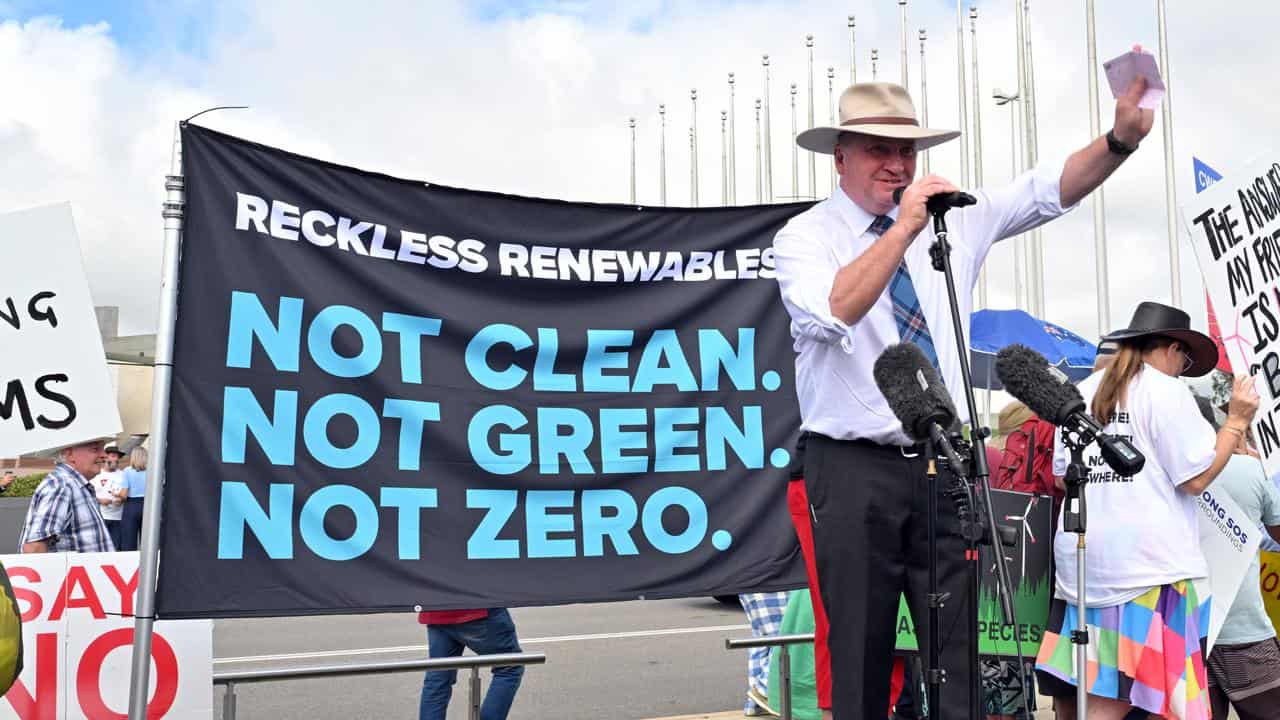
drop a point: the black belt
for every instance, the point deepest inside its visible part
(901, 450)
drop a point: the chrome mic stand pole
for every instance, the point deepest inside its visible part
(1074, 520)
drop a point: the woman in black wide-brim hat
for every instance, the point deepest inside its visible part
(1146, 582)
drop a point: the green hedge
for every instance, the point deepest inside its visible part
(24, 485)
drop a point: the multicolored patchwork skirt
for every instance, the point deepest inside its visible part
(1148, 652)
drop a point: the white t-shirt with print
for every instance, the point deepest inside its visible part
(1141, 532)
(105, 484)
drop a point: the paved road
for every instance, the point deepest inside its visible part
(623, 661)
(13, 511)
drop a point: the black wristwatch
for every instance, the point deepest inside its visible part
(1117, 147)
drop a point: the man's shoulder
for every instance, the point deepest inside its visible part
(816, 219)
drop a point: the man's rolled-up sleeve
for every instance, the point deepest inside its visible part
(1032, 199)
(806, 271)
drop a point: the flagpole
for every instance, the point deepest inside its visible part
(813, 158)
(693, 169)
(1099, 200)
(768, 147)
(853, 53)
(1019, 247)
(964, 101)
(759, 160)
(662, 154)
(173, 213)
(831, 109)
(1170, 191)
(724, 157)
(693, 140)
(924, 99)
(733, 148)
(902, 16)
(632, 123)
(795, 150)
(1032, 158)
(977, 153)
(875, 57)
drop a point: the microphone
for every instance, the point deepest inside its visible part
(1027, 376)
(917, 397)
(940, 203)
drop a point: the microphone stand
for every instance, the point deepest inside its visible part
(935, 675)
(1074, 520)
(979, 526)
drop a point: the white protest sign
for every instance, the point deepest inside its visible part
(1235, 232)
(1229, 542)
(77, 635)
(56, 390)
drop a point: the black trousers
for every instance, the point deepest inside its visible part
(870, 514)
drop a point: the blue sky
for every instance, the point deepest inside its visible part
(139, 27)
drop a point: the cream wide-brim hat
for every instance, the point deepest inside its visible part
(880, 109)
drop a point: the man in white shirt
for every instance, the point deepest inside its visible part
(108, 489)
(855, 276)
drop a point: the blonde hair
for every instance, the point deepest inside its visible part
(138, 459)
(1113, 390)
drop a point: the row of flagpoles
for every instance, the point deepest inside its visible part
(1028, 274)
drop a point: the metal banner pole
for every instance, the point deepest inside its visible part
(831, 108)
(1099, 200)
(853, 53)
(693, 144)
(1033, 157)
(632, 123)
(977, 151)
(1170, 191)
(964, 99)
(767, 148)
(759, 160)
(693, 170)
(813, 158)
(902, 17)
(733, 148)
(724, 157)
(795, 150)
(662, 154)
(924, 99)
(149, 550)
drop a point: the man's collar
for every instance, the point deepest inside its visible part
(859, 220)
(74, 473)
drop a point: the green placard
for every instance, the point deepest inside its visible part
(1030, 570)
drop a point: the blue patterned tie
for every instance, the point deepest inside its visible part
(912, 326)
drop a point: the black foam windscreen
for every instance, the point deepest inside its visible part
(1026, 376)
(913, 390)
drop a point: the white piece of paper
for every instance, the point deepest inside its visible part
(1121, 72)
(55, 389)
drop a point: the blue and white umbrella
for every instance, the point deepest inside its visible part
(992, 330)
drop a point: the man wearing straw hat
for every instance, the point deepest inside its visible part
(855, 276)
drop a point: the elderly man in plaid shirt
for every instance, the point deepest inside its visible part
(64, 516)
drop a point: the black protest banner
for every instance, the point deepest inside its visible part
(1235, 231)
(388, 394)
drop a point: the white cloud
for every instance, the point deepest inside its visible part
(537, 103)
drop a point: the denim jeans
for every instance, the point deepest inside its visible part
(487, 636)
